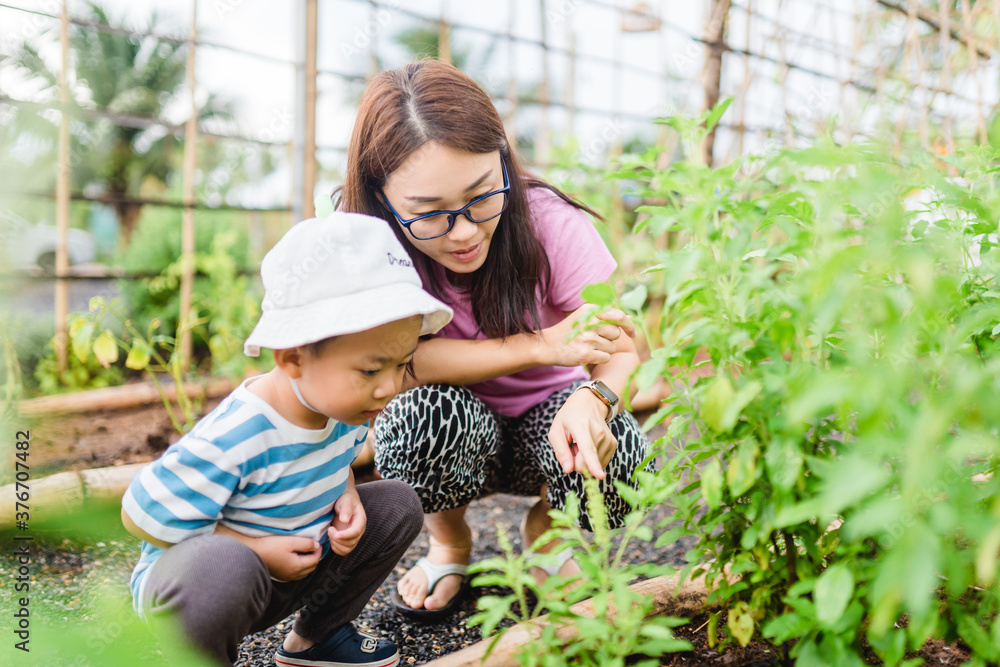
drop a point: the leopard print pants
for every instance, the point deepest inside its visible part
(452, 449)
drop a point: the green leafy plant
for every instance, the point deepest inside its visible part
(155, 249)
(83, 370)
(105, 330)
(623, 624)
(839, 468)
(229, 300)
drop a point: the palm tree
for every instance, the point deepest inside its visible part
(134, 76)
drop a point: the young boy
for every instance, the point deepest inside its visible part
(240, 516)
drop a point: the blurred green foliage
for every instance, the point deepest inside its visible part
(842, 460)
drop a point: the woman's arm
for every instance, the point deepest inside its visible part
(462, 362)
(579, 434)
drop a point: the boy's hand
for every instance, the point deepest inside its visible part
(287, 557)
(348, 525)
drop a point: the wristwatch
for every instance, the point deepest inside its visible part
(608, 397)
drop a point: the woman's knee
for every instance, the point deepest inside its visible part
(435, 436)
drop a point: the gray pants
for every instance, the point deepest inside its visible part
(221, 590)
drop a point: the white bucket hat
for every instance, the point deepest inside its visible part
(337, 275)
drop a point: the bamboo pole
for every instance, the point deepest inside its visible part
(62, 200)
(444, 35)
(908, 59)
(187, 223)
(309, 149)
(852, 74)
(715, 38)
(569, 92)
(926, 15)
(543, 146)
(974, 69)
(879, 67)
(917, 61)
(779, 37)
(944, 44)
(745, 90)
(512, 96)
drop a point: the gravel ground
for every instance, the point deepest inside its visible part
(81, 611)
(80, 584)
(420, 643)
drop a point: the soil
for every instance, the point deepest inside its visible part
(99, 439)
(119, 437)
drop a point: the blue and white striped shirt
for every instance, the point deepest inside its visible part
(246, 466)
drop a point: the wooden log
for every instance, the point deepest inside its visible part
(68, 492)
(118, 397)
(108, 484)
(49, 496)
(688, 601)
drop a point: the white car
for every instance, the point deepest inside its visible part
(27, 246)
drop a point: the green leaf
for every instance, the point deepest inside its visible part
(81, 334)
(785, 627)
(784, 463)
(977, 638)
(106, 349)
(834, 590)
(138, 356)
(851, 479)
(713, 118)
(635, 298)
(742, 471)
(600, 294)
(650, 371)
(717, 398)
(711, 483)
(740, 623)
(721, 406)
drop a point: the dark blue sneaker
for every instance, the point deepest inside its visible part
(346, 647)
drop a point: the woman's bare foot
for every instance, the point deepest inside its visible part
(533, 526)
(451, 542)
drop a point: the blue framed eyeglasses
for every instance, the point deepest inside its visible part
(438, 223)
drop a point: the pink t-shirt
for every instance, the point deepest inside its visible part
(577, 257)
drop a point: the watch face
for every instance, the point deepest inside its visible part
(608, 395)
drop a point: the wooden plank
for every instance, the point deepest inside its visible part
(113, 398)
(686, 601)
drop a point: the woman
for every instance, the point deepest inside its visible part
(504, 401)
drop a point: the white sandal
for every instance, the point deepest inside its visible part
(435, 573)
(557, 560)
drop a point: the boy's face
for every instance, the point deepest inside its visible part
(352, 377)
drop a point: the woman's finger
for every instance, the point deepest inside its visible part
(609, 331)
(617, 318)
(561, 447)
(598, 342)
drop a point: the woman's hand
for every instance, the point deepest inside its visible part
(590, 347)
(580, 437)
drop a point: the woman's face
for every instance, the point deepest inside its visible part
(436, 178)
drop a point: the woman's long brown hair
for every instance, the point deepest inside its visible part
(403, 109)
